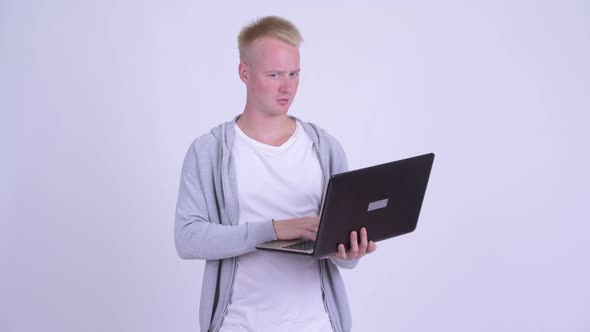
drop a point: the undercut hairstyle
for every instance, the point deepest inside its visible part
(269, 27)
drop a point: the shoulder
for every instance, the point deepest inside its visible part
(215, 140)
(204, 143)
(204, 151)
(321, 137)
(328, 146)
(318, 134)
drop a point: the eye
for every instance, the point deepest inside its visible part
(295, 74)
(273, 75)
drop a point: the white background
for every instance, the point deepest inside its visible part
(100, 100)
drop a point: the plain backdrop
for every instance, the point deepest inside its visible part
(100, 101)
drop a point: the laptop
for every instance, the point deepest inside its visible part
(385, 199)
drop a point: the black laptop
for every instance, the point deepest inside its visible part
(385, 199)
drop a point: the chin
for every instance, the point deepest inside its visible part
(279, 111)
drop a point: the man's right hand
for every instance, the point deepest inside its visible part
(290, 229)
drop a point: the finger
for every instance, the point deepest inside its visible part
(312, 228)
(314, 222)
(371, 247)
(315, 225)
(309, 234)
(341, 251)
(363, 242)
(354, 245)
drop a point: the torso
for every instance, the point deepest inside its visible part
(276, 291)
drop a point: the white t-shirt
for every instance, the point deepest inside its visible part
(276, 291)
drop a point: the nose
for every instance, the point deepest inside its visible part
(286, 86)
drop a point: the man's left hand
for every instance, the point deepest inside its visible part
(357, 248)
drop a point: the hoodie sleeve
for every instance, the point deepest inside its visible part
(199, 234)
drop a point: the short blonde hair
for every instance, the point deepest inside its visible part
(271, 27)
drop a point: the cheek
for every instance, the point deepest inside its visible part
(268, 88)
(261, 86)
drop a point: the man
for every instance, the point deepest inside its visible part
(259, 178)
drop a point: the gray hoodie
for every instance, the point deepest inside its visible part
(206, 225)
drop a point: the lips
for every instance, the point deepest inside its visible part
(283, 101)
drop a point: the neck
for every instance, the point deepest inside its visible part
(268, 129)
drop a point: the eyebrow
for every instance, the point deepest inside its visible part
(282, 71)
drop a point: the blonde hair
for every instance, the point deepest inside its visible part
(270, 27)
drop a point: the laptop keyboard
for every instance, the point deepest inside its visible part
(305, 245)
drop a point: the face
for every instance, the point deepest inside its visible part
(271, 74)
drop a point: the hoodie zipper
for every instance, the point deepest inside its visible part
(229, 195)
(324, 168)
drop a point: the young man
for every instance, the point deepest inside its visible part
(257, 178)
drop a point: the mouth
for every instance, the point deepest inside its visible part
(283, 101)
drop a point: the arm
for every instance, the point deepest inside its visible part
(345, 263)
(199, 235)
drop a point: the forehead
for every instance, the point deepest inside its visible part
(273, 54)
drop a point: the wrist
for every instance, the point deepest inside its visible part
(274, 227)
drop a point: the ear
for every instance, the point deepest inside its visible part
(243, 71)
